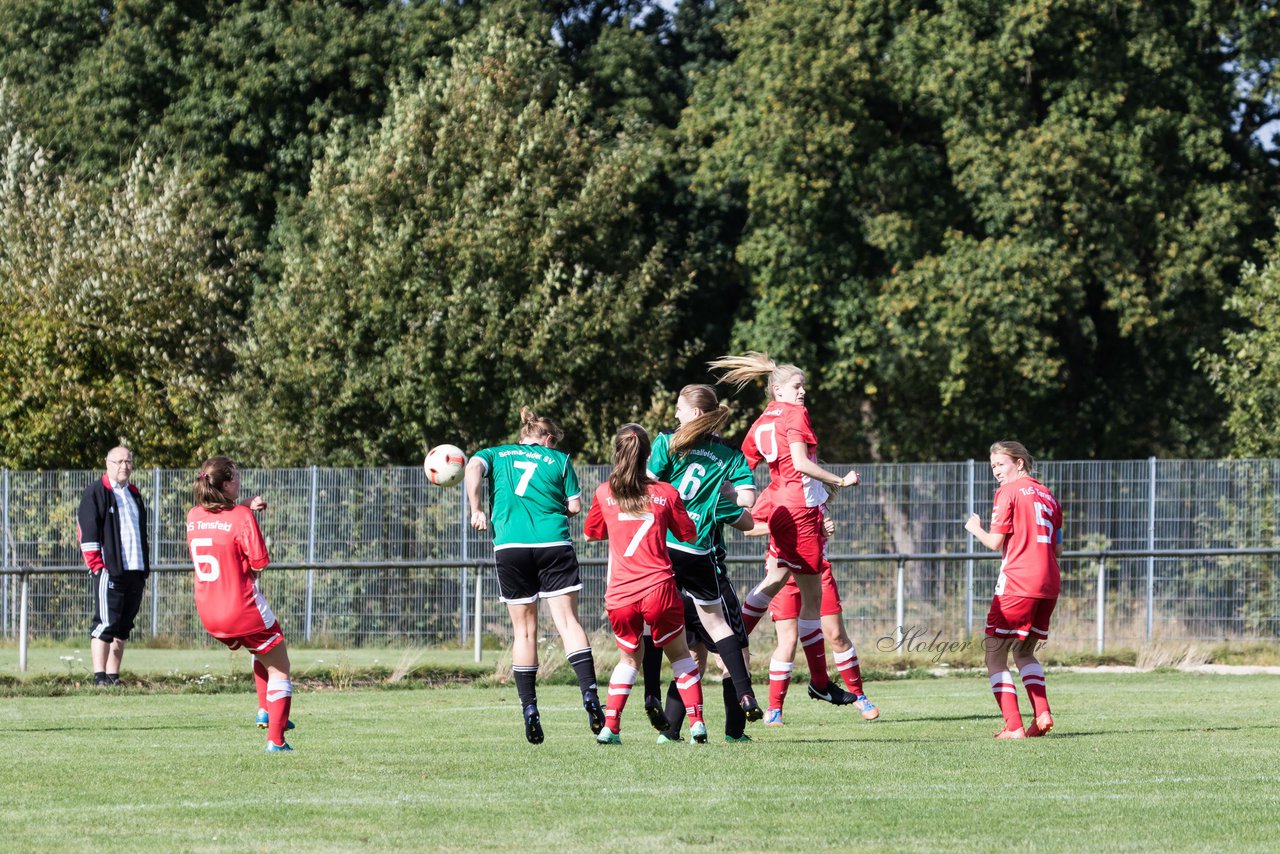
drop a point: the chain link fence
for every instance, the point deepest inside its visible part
(1157, 550)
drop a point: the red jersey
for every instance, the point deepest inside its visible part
(770, 439)
(638, 558)
(226, 547)
(1031, 520)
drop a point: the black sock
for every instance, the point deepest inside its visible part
(730, 651)
(735, 720)
(100, 676)
(652, 667)
(526, 683)
(584, 664)
(675, 710)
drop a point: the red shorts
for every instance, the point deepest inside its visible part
(660, 607)
(786, 605)
(263, 640)
(1019, 615)
(795, 538)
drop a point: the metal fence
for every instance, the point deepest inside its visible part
(1157, 550)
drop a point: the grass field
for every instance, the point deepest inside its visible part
(1158, 761)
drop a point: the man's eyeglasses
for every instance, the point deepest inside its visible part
(121, 463)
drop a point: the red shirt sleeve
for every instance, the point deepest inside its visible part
(749, 449)
(1002, 511)
(255, 547)
(594, 527)
(797, 427)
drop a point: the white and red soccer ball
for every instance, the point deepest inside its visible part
(445, 465)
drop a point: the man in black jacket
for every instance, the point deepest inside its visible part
(112, 528)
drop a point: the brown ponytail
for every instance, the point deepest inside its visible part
(712, 420)
(629, 481)
(533, 426)
(210, 482)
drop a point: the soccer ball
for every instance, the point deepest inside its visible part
(444, 465)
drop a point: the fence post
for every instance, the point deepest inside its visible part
(1102, 604)
(6, 618)
(968, 564)
(900, 609)
(1151, 545)
(479, 608)
(22, 623)
(311, 552)
(463, 582)
(155, 550)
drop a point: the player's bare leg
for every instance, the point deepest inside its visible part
(524, 665)
(279, 695)
(689, 683)
(577, 649)
(1032, 673)
(1006, 694)
(713, 620)
(847, 664)
(781, 666)
(756, 603)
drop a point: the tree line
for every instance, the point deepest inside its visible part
(338, 233)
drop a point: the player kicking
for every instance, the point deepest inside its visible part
(1026, 525)
(634, 514)
(229, 553)
(533, 490)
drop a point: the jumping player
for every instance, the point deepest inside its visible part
(634, 514)
(785, 609)
(1026, 526)
(798, 487)
(702, 467)
(229, 554)
(533, 490)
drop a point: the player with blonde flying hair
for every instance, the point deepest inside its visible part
(783, 437)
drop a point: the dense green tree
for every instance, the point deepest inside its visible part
(1246, 369)
(114, 312)
(245, 91)
(486, 248)
(981, 219)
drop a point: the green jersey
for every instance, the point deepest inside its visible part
(529, 486)
(697, 474)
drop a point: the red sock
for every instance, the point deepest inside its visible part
(689, 684)
(850, 672)
(815, 652)
(754, 607)
(260, 682)
(1007, 699)
(279, 698)
(779, 681)
(620, 685)
(1033, 681)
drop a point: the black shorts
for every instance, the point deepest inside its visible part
(525, 574)
(696, 576)
(696, 633)
(116, 599)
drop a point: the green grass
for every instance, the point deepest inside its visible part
(1157, 761)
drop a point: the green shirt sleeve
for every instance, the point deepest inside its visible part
(660, 457)
(571, 488)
